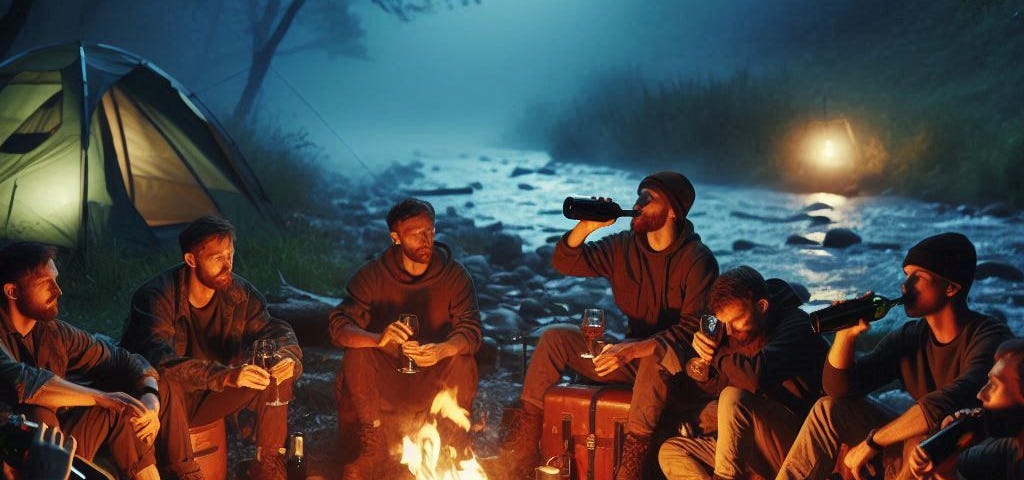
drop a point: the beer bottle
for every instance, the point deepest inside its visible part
(965, 431)
(847, 314)
(582, 208)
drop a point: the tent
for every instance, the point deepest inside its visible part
(97, 144)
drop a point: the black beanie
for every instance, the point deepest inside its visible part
(950, 255)
(675, 186)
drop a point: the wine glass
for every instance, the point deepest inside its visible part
(264, 355)
(413, 322)
(592, 327)
(698, 368)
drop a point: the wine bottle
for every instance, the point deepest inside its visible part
(848, 313)
(295, 458)
(582, 208)
(957, 436)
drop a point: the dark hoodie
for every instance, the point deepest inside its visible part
(442, 297)
(784, 363)
(661, 293)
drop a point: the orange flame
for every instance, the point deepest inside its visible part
(427, 457)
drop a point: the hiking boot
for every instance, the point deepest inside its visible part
(634, 452)
(372, 454)
(520, 428)
(268, 466)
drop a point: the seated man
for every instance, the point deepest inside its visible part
(415, 276)
(38, 352)
(940, 359)
(768, 370)
(197, 323)
(1003, 400)
(659, 272)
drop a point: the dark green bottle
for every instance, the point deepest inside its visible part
(848, 313)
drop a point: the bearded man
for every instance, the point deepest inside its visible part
(197, 324)
(660, 273)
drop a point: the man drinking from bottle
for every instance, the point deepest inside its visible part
(940, 359)
(416, 278)
(660, 272)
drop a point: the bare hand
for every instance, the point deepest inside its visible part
(147, 424)
(283, 369)
(49, 455)
(704, 345)
(119, 401)
(858, 459)
(614, 356)
(427, 354)
(248, 376)
(395, 332)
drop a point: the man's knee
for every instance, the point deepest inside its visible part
(558, 334)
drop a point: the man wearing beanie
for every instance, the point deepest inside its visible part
(660, 273)
(941, 359)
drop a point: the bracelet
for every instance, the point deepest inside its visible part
(871, 443)
(148, 389)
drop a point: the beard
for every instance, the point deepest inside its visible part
(649, 222)
(419, 255)
(40, 311)
(219, 281)
(1004, 423)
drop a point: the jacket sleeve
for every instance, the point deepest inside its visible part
(260, 325)
(871, 371)
(463, 310)
(100, 360)
(703, 272)
(785, 356)
(20, 382)
(354, 308)
(974, 366)
(591, 259)
(150, 332)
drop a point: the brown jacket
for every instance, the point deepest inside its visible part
(62, 350)
(661, 293)
(443, 298)
(161, 328)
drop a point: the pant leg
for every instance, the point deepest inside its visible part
(558, 350)
(458, 372)
(830, 423)
(94, 426)
(651, 388)
(754, 434)
(173, 445)
(683, 458)
(368, 374)
(271, 421)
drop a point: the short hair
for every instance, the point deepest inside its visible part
(738, 284)
(204, 228)
(18, 259)
(1013, 349)
(408, 208)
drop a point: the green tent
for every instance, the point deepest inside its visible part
(149, 158)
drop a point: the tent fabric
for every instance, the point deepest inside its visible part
(149, 155)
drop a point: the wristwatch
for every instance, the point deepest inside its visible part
(871, 443)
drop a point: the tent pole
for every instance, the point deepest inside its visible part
(84, 135)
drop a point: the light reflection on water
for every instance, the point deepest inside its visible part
(530, 205)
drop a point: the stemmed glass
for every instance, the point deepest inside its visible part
(698, 368)
(413, 322)
(264, 355)
(592, 327)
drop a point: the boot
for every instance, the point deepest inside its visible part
(372, 454)
(268, 466)
(634, 452)
(520, 429)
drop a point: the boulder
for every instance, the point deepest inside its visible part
(532, 309)
(505, 250)
(502, 322)
(817, 206)
(1000, 270)
(741, 245)
(997, 209)
(519, 171)
(840, 238)
(525, 186)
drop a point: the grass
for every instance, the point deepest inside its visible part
(98, 285)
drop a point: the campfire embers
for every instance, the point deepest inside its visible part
(431, 457)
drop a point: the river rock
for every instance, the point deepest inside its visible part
(840, 238)
(476, 264)
(799, 240)
(532, 309)
(519, 171)
(505, 278)
(997, 209)
(501, 322)
(505, 250)
(819, 220)
(1000, 270)
(525, 186)
(817, 206)
(742, 245)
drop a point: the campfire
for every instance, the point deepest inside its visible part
(426, 453)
